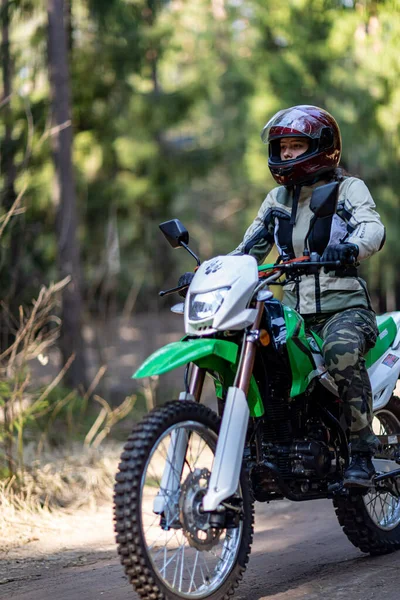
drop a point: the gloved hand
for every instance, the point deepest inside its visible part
(185, 279)
(346, 253)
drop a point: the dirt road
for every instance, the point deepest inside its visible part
(299, 553)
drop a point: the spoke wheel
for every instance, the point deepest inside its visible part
(372, 522)
(167, 545)
(384, 508)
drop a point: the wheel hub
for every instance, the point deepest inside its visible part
(196, 523)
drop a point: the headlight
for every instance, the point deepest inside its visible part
(207, 304)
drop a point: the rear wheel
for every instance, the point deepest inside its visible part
(173, 551)
(372, 522)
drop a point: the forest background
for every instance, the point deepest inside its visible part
(120, 114)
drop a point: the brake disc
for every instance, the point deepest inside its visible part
(196, 523)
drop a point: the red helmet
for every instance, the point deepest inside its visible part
(323, 154)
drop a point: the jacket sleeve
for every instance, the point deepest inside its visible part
(259, 237)
(366, 228)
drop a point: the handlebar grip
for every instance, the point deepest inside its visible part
(348, 263)
(331, 263)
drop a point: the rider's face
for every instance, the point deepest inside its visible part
(292, 147)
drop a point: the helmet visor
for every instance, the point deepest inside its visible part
(292, 122)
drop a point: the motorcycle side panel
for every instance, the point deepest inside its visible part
(388, 330)
(387, 333)
(300, 355)
(382, 361)
(217, 356)
(384, 372)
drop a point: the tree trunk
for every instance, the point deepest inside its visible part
(8, 155)
(71, 341)
(11, 276)
(68, 24)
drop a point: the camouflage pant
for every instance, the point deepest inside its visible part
(347, 336)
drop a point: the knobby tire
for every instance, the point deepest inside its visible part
(127, 511)
(353, 515)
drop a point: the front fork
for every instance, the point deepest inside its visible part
(171, 477)
(227, 463)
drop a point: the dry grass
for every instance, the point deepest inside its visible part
(64, 481)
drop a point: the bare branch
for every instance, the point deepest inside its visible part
(95, 381)
(113, 416)
(95, 427)
(31, 337)
(6, 100)
(12, 210)
(56, 380)
(54, 130)
(110, 417)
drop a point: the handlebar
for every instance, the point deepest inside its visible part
(301, 263)
(268, 270)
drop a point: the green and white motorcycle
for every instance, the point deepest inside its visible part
(188, 476)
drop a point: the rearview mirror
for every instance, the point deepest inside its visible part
(175, 232)
(324, 200)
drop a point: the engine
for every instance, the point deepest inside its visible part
(295, 448)
(304, 458)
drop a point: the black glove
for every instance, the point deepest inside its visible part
(185, 279)
(345, 253)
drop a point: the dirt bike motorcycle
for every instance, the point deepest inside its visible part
(188, 476)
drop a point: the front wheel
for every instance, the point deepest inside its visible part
(167, 545)
(372, 522)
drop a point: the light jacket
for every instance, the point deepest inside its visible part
(356, 221)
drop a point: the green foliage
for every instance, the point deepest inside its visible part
(168, 101)
(5, 392)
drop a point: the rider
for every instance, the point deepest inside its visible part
(304, 152)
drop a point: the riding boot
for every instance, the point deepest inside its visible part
(360, 472)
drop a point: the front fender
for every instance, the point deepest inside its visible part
(216, 356)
